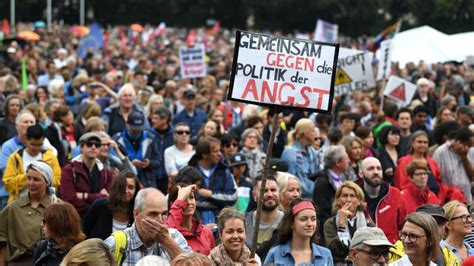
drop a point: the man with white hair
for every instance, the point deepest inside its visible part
(24, 120)
(149, 234)
(384, 202)
(117, 115)
(61, 61)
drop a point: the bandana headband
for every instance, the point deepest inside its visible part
(303, 205)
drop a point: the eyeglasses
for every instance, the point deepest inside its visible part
(318, 139)
(90, 144)
(373, 255)
(421, 174)
(464, 218)
(105, 145)
(411, 237)
(233, 144)
(181, 132)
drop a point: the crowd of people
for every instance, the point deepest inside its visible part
(114, 158)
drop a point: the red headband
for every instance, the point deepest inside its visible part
(303, 205)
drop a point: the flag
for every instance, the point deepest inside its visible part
(215, 29)
(325, 31)
(6, 27)
(386, 34)
(161, 29)
(191, 38)
(94, 39)
(24, 75)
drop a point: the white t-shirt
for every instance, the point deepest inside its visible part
(28, 159)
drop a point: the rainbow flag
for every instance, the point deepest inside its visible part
(386, 34)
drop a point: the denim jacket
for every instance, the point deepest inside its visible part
(281, 255)
(302, 163)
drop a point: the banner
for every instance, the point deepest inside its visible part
(385, 61)
(278, 71)
(325, 31)
(192, 62)
(354, 72)
(400, 90)
(93, 40)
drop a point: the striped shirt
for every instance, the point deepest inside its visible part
(452, 169)
(135, 249)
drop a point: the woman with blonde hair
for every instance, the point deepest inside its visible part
(354, 147)
(302, 158)
(349, 205)
(89, 252)
(290, 189)
(458, 227)
(154, 102)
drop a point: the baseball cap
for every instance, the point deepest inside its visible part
(88, 136)
(433, 210)
(189, 94)
(136, 121)
(465, 110)
(372, 236)
(238, 159)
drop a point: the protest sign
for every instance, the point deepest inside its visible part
(385, 62)
(325, 31)
(192, 62)
(354, 72)
(278, 71)
(400, 90)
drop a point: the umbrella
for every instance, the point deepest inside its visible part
(79, 30)
(29, 36)
(40, 24)
(136, 27)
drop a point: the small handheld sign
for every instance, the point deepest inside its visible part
(191, 60)
(278, 71)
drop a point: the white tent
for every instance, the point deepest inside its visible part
(464, 44)
(422, 43)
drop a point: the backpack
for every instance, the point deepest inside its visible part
(120, 246)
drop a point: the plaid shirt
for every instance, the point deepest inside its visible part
(135, 249)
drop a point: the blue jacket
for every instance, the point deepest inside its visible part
(281, 255)
(222, 184)
(195, 122)
(115, 120)
(160, 144)
(303, 164)
(148, 175)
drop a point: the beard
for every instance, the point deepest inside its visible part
(373, 182)
(269, 208)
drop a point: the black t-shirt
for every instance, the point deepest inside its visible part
(373, 202)
(94, 178)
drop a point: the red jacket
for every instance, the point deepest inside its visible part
(389, 212)
(414, 198)
(200, 239)
(74, 179)
(445, 194)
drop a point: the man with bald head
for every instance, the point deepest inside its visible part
(149, 234)
(384, 202)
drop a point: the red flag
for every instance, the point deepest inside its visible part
(160, 29)
(123, 39)
(215, 29)
(191, 38)
(6, 27)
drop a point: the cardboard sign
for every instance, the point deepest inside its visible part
(385, 61)
(400, 90)
(325, 31)
(192, 62)
(278, 71)
(354, 72)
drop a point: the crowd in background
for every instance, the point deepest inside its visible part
(116, 148)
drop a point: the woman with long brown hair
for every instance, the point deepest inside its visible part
(297, 237)
(62, 230)
(107, 215)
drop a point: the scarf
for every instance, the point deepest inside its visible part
(54, 251)
(220, 257)
(361, 221)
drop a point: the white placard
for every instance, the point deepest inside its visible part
(192, 61)
(400, 90)
(354, 72)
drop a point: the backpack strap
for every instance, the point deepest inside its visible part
(120, 246)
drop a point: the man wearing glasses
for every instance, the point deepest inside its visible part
(369, 246)
(149, 234)
(85, 179)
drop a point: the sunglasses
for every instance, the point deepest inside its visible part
(181, 132)
(90, 144)
(105, 145)
(233, 144)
